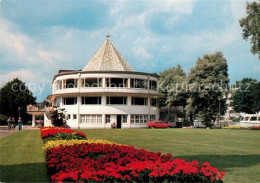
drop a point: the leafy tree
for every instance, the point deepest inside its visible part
(172, 84)
(251, 26)
(208, 83)
(14, 98)
(247, 96)
(58, 117)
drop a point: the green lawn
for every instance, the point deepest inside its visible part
(22, 159)
(237, 152)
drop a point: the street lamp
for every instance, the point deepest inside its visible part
(19, 109)
(219, 112)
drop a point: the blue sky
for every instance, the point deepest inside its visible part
(38, 38)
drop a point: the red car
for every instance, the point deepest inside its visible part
(158, 124)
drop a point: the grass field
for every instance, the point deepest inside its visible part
(237, 152)
(22, 159)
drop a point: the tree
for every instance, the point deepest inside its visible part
(14, 99)
(172, 84)
(247, 96)
(58, 117)
(208, 83)
(44, 103)
(251, 26)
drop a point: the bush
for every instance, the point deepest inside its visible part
(58, 117)
(3, 119)
(236, 119)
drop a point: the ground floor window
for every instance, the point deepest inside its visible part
(152, 117)
(90, 118)
(108, 118)
(139, 118)
(74, 116)
(124, 118)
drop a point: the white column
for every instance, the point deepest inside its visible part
(104, 120)
(129, 83)
(78, 105)
(129, 100)
(104, 83)
(129, 120)
(33, 120)
(61, 101)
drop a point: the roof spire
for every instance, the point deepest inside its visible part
(107, 58)
(108, 35)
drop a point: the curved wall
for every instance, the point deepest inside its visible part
(78, 112)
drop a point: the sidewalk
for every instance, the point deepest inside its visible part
(5, 132)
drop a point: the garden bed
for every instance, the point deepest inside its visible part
(90, 160)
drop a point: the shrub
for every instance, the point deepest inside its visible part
(3, 119)
(236, 119)
(58, 117)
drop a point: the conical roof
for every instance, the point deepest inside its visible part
(107, 58)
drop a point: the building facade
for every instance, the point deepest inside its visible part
(106, 92)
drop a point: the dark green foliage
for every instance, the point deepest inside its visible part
(247, 97)
(44, 103)
(251, 26)
(208, 84)
(3, 119)
(58, 117)
(64, 136)
(69, 136)
(13, 95)
(236, 119)
(172, 84)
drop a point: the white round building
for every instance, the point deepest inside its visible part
(106, 91)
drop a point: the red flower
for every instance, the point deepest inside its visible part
(120, 163)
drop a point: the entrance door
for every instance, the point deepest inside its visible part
(119, 121)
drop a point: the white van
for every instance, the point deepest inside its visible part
(249, 120)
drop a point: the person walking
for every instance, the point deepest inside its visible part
(9, 123)
(20, 123)
(13, 124)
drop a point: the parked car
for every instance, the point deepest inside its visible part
(158, 124)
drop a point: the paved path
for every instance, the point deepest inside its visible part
(5, 132)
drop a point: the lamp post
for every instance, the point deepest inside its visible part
(19, 109)
(219, 112)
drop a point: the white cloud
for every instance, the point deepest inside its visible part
(49, 56)
(71, 48)
(25, 75)
(238, 8)
(11, 42)
(172, 6)
(142, 52)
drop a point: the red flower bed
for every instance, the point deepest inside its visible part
(53, 131)
(255, 128)
(119, 163)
